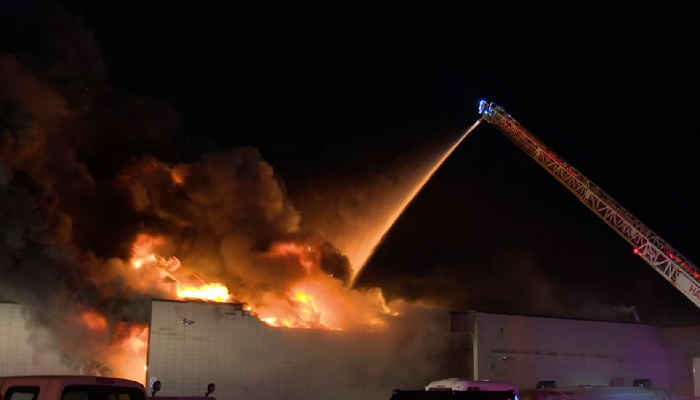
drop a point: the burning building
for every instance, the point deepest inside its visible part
(85, 254)
(84, 257)
(193, 343)
(247, 358)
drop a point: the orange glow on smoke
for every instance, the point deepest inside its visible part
(130, 357)
(137, 341)
(94, 321)
(128, 354)
(316, 300)
(144, 254)
(179, 174)
(312, 299)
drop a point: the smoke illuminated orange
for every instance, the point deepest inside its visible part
(313, 300)
(316, 301)
(306, 297)
(144, 254)
(94, 321)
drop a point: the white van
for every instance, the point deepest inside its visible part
(464, 385)
(56, 387)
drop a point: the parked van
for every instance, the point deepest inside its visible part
(56, 387)
(464, 385)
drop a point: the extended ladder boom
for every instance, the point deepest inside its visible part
(667, 261)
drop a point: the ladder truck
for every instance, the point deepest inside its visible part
(665, 260)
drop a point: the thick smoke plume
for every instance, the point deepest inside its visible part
(74, 300)
(40, 266)
(79, 225)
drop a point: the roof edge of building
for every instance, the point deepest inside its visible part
(550, 317)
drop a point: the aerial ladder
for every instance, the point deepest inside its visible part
(666, 260)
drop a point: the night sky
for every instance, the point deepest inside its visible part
(338, 92)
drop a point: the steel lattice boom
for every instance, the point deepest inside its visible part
(667, 261)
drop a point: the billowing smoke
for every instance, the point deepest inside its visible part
(82, 211)
(53, 264)
(227, 213)
(42, 269)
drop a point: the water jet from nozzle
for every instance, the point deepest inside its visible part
(364, 246)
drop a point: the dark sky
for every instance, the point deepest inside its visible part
(333, 91)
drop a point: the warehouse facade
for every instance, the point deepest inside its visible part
(193, 344)
(525, 350)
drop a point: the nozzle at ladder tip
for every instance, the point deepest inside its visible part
(483, 107)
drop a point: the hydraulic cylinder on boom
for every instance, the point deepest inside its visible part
(667, 261)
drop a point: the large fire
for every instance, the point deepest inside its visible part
(285, 283)
(221, 229)
(317, 300)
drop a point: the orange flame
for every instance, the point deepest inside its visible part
(144, 254)
(316, 300)
(212, 292)
(128, 354)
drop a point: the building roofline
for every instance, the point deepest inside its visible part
(235, 303)
(550, 317)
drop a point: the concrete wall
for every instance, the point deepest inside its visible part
(462, 361)
(17, 356)
(247, 359)
(524, 350)
(682, 347)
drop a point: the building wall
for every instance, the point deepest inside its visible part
(524, 350)
(17, 356)
(682, 347)
(462, 361)
(245, 358)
